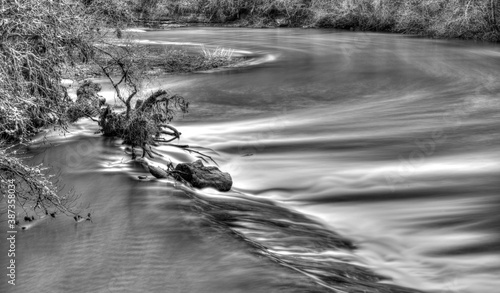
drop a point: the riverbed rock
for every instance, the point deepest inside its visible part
(204, 176)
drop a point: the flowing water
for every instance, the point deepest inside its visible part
(362, 162)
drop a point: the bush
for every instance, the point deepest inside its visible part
(88, 102)
(140, 129)
(39, 39)
(145, 124)
(434, 18)
(468, 22)
(115, 13)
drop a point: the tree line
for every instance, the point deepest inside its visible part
(466, 19)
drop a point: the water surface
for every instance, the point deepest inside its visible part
(334, 140)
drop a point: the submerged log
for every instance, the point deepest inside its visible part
(204, 176)
(157, 172)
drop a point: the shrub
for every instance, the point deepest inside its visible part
(435, 18)
(459, 21)
(38, 40)
(145, 124)
(88, 102)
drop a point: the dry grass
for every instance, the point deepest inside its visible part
(180, 60)
(218, 52)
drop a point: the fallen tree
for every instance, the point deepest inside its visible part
(40, 44)
(147, 124)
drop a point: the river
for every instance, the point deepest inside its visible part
(382, 142)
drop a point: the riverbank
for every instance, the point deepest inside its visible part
(158, 59)
(431, 18)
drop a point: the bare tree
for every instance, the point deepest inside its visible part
(124, 66)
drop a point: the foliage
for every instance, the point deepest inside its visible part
(88, 102)
(147, 122)
(37, 40)
(111, 13)
(435, 18)
(476, 20)
(256, 11)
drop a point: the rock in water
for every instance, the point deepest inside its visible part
(157, 172)
(204, 176)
